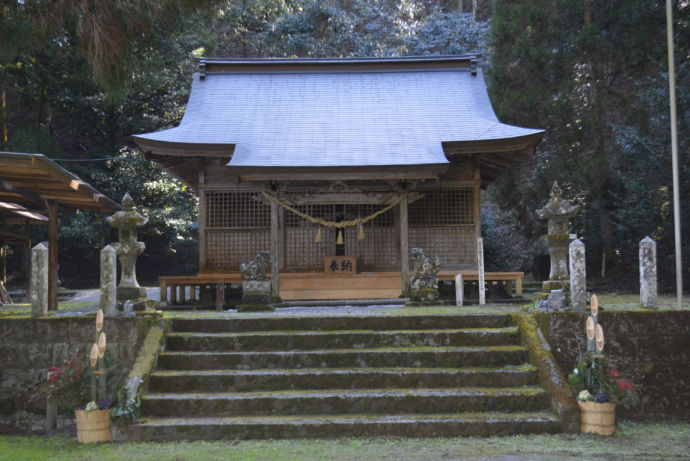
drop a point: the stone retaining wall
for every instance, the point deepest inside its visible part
(654, 346)
(29, 346)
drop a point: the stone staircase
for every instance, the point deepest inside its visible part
(320, 377)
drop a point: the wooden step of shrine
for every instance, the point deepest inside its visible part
(320, 286)
(292, 377)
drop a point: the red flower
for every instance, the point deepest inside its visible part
(614, 373)
(624, 385)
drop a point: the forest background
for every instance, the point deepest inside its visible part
(79, 77)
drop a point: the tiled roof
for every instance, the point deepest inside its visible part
(337, 118)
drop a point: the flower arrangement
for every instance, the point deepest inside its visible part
(594, 380)
(64, 385)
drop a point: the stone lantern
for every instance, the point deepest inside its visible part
(127, 221)
(558, 211)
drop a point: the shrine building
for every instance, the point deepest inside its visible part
(338, 167)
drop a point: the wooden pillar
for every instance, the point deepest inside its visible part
(181, 289)
(26, 263)
(220, 296)
(163, 292)
(275, 250)
(476, 197)
(404, 247)
(3, 259)
(53, 226)
(202, 230)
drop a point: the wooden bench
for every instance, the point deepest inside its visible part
(176, 287)
(512, 279)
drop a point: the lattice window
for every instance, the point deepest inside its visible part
(380, 248)
(301, 250)
(455, 245)
(236, 209)
(442, 208)
(227, 248)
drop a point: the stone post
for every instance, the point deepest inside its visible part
(126, 221)
(648, 284)
(480, 270)
(459, 290)
(578, 276)
(39, 280)
(108, 302)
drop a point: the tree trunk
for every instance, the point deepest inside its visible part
(600, 176)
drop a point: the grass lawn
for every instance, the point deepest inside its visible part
(24, 309)
(648, 441)
(611, 302)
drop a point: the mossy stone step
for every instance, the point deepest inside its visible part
(344, 378)
(356, 339)
(369, 322)
(365, 425)
(453, 357)
(346, 401)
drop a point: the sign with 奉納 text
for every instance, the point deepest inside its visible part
(340, 265)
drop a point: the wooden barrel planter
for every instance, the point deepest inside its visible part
(597, 418)
(93, 426)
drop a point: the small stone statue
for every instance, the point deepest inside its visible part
(424, 285)
(256, 288)
(258, 268)
(127, 221)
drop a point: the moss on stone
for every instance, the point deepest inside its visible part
(550, 375)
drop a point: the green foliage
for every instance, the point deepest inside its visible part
(603, 383)
(448, 33)
(592, 74)
(67, 102)
(126, 408)
(170, 235)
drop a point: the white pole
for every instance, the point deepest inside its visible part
(674, 153)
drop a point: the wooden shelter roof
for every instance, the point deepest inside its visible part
(280, 117)
(33, 179)
(24, 213)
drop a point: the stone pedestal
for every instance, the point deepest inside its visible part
(648, 282)
(256, 296)
(39, 280)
